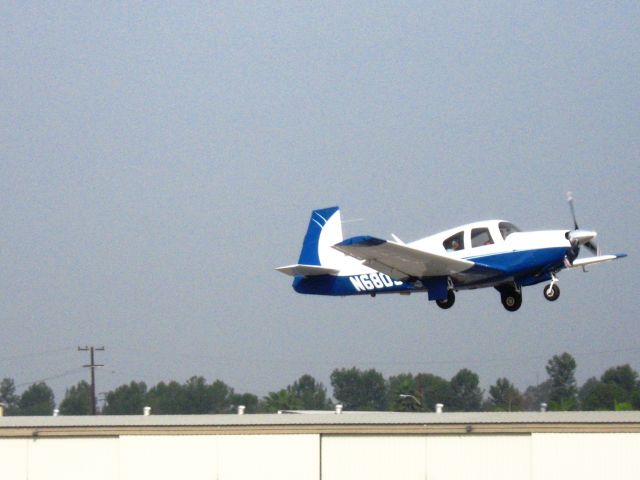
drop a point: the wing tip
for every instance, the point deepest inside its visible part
(306, 270)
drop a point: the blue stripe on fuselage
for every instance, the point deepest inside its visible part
(346, 285)
(526, 267)
(524, 261)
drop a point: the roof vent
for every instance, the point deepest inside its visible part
(439, 407)
(338, 408)
(146, 411)
(241, 409)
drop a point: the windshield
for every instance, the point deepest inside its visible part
(507, 229)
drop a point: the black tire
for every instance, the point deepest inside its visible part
(511, 300)
(448, 302)
(552, 295)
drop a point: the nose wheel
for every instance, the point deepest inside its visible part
(552, 291)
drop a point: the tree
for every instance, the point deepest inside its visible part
(219, 396)
(8, 396)
(504, 396)
(561, 370)
(635, 399)
(194, 397)
(249, 400)
(166, 398)
(283, 399)
(312, 394)
(77, 400)
(304, 394)
(432, 390)
(535, 395)
(359, 390)
(402, 394)
(38, 399)
(623, 376)
(585, 390)
(616, 390)
(466, 394)
(126, 399)
(604, 396)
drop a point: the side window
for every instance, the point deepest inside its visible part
(454, 242)
(480, 237)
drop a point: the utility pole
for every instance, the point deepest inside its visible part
(92, 366)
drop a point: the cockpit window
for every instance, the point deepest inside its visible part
(454, 242)
(507, 229)
(480, 237)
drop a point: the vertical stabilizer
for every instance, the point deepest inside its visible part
(324, 231)
(318, 257)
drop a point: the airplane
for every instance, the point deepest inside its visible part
(490, 253)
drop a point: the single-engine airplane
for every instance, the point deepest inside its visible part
(491, 253)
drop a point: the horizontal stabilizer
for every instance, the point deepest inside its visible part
(307, 270)
(583, 262)
(401, 261)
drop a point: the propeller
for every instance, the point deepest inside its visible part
(579, 237)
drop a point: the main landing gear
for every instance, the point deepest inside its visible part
(510, 296)
(447, 302)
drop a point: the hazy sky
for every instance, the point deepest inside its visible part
(159, 160)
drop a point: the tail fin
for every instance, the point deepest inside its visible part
(325, 230)
(317, 257)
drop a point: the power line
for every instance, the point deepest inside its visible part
(52, 377)
(507, 359)
(32, 354)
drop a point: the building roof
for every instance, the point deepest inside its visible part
(323, 423)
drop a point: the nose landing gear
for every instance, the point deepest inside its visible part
(552, 291)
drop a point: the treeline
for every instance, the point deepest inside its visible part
(617, 389)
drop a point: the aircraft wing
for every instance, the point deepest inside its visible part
(401, 261)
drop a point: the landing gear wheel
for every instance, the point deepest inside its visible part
(448, 302)
(551, 292)
(511, 300)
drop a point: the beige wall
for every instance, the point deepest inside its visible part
(583, 455)
(159, 457)
(436, 457)
(67, 458)
(538, 456)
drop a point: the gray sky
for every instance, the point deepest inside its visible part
(158, 161)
